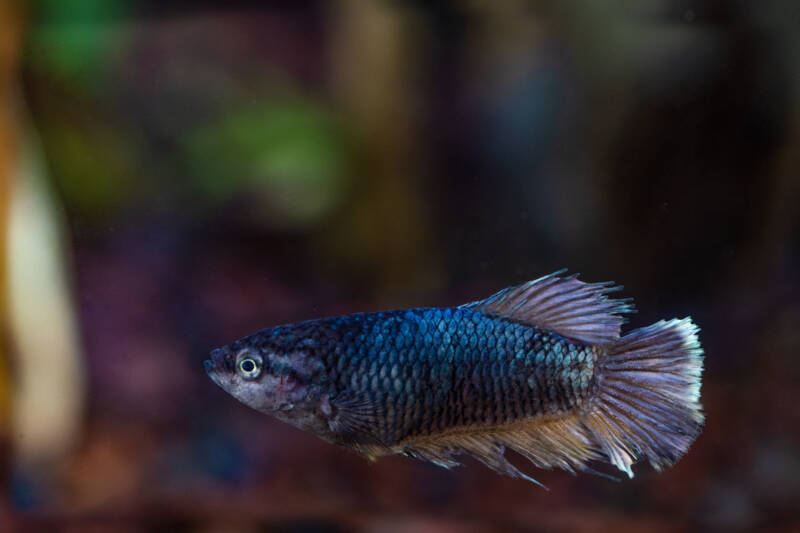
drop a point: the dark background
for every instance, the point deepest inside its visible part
(213, 170)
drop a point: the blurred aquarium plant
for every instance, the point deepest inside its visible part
(289, 152)
(74, 47)
(73, 41)
(250, 138)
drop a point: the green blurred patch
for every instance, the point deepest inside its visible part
(77, 40)
(90, 166)
(291, 154)
(72, 11)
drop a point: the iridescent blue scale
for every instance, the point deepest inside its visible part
(457, 364)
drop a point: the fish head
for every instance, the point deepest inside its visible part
(279, 380)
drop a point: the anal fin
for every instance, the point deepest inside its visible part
(492, 454)
(485, 450)
(563, 442)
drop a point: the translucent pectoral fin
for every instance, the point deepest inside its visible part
(354, 420)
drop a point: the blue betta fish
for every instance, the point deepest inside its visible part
(539, 368)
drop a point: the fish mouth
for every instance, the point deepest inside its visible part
(211, 370)
(217, 366)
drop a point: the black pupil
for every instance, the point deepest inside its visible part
(248, 365)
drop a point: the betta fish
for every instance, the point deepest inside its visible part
(539, 368)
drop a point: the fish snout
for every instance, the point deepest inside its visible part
(218, 360)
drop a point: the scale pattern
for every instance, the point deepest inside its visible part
(428, 370)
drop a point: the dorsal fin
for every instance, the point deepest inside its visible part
(565, 305)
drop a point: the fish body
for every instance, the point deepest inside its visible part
(539, 368)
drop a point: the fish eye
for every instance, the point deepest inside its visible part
(249, 367)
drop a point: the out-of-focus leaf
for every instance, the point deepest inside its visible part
(90, 166)
(73, 40)
(78, 53)
(71, 11)
(291, 154)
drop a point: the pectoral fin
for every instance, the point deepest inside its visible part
(354, 420)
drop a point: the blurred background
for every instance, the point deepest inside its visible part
(175, 174)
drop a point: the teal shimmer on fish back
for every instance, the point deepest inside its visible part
(429, 370)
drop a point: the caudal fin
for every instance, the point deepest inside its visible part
(647, 405)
